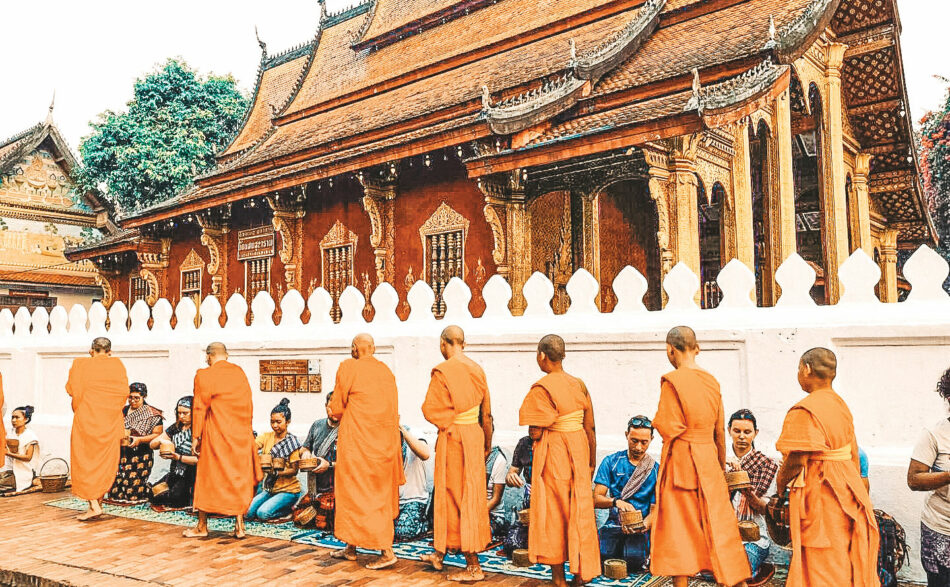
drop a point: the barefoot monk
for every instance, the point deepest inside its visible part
(458, 404)
(695, 528)
(834, 531)
(223, 440)
(99, 388)
(562, 525)
(369, 454)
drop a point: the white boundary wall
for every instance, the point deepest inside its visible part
(890, 355)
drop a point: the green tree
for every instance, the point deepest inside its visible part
(934, 140)
(175, 123)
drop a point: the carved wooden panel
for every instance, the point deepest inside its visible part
(853, 15)
(870, 77)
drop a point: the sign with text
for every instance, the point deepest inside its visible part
(291, 375)
(255, 243)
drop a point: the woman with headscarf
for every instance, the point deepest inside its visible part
(20, 468)
(280, 488)
(182, 463)
(144, 424)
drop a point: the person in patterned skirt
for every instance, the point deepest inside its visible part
(144, 422)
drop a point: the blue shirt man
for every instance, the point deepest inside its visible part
(627, 480)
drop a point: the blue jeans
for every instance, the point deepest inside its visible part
(633, 548)
(756, 554)
(267, 505)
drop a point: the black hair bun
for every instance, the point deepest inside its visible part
(285, 402)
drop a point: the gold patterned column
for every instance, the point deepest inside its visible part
(288, 217)
(379, 197)
(659, 185)
(740, 239)
(506, 213)
(861, 205)
(782, 207)
(685, 204)
(835, 198)
(586, 232)
(214, 236)
(888, 288)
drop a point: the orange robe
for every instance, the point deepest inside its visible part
(99, 388)
(368, 469)
(228, 465)
(3, 430)
(834, 532)
(695, 528)
(458, 385)
(562, 526)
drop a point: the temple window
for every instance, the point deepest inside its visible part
(256, 276)
(138, 289)
(338, 248)
(190, 283)
(443, 244)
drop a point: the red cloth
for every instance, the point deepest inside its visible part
(695, 528)
(222, 417)
(461, 510)
(99, 388)
(368, 469)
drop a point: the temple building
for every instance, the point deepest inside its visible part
(42, 212)
(425, 139)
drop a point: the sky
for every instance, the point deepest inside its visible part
(90, 52)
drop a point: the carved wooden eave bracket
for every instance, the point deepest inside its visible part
(736, 98)
(154, 259)
(288, 213)
(789, 41)
(379, 194)
(107, 295)
(562, 93)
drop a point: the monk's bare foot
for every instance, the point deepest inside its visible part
(239, 528)
(466, 575)
(195, 533)
(89, 516)
(434, 559)
(382, 563)
(348, 553)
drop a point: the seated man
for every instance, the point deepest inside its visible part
(519, 476)
(496, 469)
(321, 442)
(626, 480)
(413, 522)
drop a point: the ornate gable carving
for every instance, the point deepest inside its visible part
(192, 261)
(444, 219)
(337, 236)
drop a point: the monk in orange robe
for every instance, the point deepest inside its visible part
(3, 430)
(834, 531)
(695, 528)
(369, 454)
(562, 525)
(458, 404)
(223, 440)
(99, 388)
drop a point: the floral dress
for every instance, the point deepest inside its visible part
(131, 484)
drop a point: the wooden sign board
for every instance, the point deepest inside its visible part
(291, 375)
(255, 243)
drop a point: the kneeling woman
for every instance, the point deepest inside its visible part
(750, 503)
(180, 480)
(280, 489)
(135, 465)
(20, 468)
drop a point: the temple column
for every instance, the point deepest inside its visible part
(685, 218)
(739, 238)
(585, 216)
(506, 213)
(888, 289)
(288, 217)
(214, 236)
(834, 197)
(861, 205)
(379, 201)
(659, 186)
(782, 189)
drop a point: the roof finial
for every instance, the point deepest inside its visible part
(323, 9)
(486, 98)
(260, 42)
(573, 51)
(772, 43)
(49, 115)
(697, 86)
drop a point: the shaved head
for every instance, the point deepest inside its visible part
(216, 349)
(552, 346)
(453, 335)
(682, 338)
(363, 346)
(822, 362)
(101, 344)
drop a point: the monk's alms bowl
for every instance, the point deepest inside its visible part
(524, 517)
(519, 558)
(738, 480)
(267, 462)
(615, 568)
(777, 521)
(159, 489)
(749, 531)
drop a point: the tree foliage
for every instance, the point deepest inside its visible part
(934, 140)
(175, 123)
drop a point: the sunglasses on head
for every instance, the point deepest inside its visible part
(640, 422)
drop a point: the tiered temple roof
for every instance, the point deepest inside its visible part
(395, 78)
